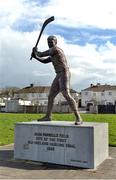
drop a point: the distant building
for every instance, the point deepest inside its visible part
(98, 95)
(8, 93)
(38, 95)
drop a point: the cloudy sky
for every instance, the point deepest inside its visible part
(86, 31)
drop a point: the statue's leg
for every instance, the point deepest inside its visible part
(65, 89)
(54, 90)
(73, 105)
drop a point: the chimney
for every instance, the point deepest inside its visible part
(31, 85)
(91, 85)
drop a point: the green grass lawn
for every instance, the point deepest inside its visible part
(8, 120)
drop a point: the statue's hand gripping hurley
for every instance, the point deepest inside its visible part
(47, 21)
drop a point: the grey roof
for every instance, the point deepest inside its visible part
(100, 88)
(34, 89)
(38, 89)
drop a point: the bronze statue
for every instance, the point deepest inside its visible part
(62, 80)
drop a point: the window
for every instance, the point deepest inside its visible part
(86, 93)
(102, 94)
(47, 94)
(109, 93)
(109, 103)
(45, 102)
(40, 95)
(32, 95)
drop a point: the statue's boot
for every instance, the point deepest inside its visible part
(45, 118)
(78, 122)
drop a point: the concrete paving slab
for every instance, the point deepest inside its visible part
(21, 169)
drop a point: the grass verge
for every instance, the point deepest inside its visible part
(8, 120)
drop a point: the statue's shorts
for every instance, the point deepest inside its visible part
(61, 82)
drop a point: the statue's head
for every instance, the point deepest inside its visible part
(52, 41)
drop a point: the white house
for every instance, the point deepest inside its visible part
(38, 95)
(35, 94)
(98, 95)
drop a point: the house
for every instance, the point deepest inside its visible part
(38, 95)
(8, 93)
(98, 95)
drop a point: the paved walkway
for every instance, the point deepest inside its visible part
(18, 169)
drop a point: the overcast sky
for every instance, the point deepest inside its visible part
(86, 31)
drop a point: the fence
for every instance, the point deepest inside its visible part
(108, 109)
(43, 109)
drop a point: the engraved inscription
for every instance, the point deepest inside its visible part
(51, 140)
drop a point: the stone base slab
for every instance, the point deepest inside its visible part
(62, 142)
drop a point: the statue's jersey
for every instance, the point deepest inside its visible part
(58, 58)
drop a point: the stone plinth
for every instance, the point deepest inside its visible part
(62, 143)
